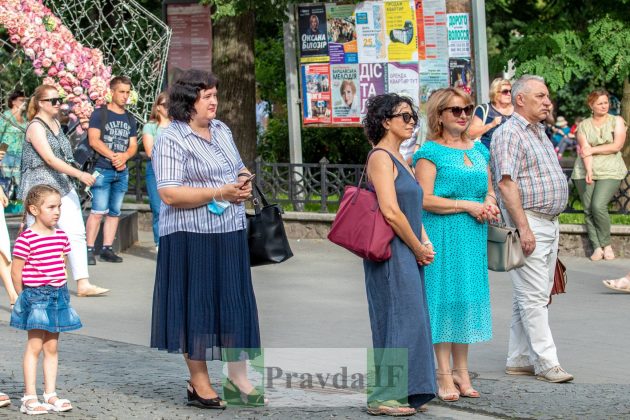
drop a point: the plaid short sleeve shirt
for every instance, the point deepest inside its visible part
(523, 151)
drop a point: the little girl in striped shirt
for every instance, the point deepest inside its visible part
(43, 305)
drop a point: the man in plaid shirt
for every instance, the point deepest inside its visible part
(531, 190)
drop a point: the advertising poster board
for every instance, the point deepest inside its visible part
(461, 74)
(458, 34)
(371, 81)
(402, 78)
(316, 88)
(346, 99)
(435, 31)
(312, 33)
(351, 52)
(370, 24)
(400, 24)
(342, 34)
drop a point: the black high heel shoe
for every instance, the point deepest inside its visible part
(233, 395)
(194, 399)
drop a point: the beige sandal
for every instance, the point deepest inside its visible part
(469, 392)
(597, 255)
(608, 253)
(451, 396)
(620, 285)
(390, 408)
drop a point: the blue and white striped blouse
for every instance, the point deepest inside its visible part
(183, 158)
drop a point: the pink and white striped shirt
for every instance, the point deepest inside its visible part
(44, 255)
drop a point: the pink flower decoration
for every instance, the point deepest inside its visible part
(76, 71)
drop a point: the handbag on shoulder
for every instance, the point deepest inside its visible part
(504, 248)
(359, 225)
(268, 243)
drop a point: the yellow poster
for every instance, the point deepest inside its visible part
(400, 23)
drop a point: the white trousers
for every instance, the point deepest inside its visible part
(71, 222)
(531, 342)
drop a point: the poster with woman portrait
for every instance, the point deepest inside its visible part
(345, 93)
(312, 31)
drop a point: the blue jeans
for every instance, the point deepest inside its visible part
(154, 200)
(108, 191)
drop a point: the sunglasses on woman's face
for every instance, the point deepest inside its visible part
(406, 116)
(53, 101)
(506, 91)
(457, 110)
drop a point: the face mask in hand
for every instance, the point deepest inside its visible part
(218, 207)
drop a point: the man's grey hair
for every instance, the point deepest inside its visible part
(520, 85)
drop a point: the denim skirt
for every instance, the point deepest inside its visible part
(45, 308)
(203, 300)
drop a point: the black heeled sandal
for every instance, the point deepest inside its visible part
(194, 399)
(233, 395)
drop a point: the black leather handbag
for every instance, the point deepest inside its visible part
(268, 243)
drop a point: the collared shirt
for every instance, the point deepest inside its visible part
(521, 150)
(183, 158)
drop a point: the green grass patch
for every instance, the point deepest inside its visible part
(578, 219)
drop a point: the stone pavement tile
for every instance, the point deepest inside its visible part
(112, 380)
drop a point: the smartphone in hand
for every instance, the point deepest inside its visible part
(248, 180)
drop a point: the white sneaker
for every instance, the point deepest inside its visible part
(555, 375)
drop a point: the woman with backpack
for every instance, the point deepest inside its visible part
(489, 116)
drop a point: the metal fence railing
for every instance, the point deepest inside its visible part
(319, 186)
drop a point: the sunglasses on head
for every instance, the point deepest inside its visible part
(457, 110)
(506, 91)
(53, 101)
(406, 116)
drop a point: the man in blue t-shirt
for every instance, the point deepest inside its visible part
(115, 147)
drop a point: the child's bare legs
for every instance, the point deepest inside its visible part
(51, 361)
(34, 347)
(5, 274)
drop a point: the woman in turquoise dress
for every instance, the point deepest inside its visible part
(12, 130)
(458, 201)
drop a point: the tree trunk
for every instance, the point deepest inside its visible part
(233, 64)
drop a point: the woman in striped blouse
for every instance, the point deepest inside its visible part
(203, 302)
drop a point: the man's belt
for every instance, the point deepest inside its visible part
(540, 215)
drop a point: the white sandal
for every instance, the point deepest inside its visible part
(4, 403)
(32, 408)
(58, 405)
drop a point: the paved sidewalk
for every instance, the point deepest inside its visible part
(313, 308)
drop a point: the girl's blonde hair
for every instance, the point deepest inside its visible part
(35, 197)
(38, 95)
(495, 87)
(155, 115)
(439, 100)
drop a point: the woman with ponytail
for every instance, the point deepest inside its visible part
(45, 160)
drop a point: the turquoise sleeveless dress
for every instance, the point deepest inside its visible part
(457, 281)
(401, 332)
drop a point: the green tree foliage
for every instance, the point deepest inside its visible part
(577, 45)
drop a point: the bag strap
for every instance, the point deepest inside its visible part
(46, 126)
(263, 200)
(367, 159)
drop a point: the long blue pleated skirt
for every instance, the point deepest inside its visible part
(203, 300)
